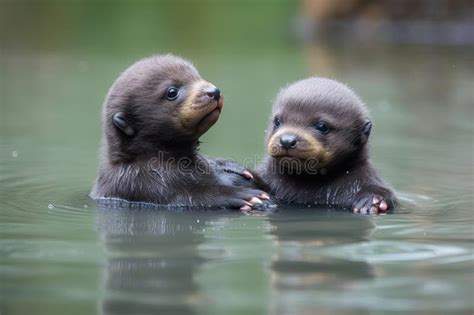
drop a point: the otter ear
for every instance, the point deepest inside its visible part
(366, 131)
(122, 124)
(367, 128)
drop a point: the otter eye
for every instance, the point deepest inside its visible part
(276, 122)
(172, 93)
(322, 127)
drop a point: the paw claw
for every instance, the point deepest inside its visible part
(247, 174)
(246, 208)
(255, 200)
(371, 203)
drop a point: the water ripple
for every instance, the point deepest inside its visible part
(399, 252)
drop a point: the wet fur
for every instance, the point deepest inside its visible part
(132, 167)
(349, 176)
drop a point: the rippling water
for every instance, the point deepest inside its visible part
(60, 252)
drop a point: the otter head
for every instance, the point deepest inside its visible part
(159, 103)
(317, 123)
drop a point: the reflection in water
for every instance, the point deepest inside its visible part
(300, 274)
(55, 71)
(338, 263)
(152, 256)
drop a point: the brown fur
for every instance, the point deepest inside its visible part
(150, 154)
(330, 169)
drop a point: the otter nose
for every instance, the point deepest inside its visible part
(213, 93)
(288, 141)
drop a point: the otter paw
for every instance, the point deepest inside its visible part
(372, 204)
(261, 201)
(242, 198)
(229, 166)
(245, 173)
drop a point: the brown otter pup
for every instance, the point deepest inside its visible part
(153, 117)
(318, 151)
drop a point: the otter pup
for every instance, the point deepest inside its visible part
(318, 151)
(153, 116)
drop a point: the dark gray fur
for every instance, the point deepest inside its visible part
(349, 179)
(130, 166)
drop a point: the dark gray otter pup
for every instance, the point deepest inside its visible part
(318, 152)
(153, 117)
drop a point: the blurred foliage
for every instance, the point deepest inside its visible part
(131, 26)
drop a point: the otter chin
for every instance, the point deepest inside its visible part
(210, 118)
(317, 149)
(153, 116)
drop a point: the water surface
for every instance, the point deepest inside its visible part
(59, 251)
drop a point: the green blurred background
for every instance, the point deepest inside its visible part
(60, 58)
(411, 61)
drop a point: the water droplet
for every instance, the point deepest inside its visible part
(197, 220)
(15, 153)
(50, 206)
(85, 207)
